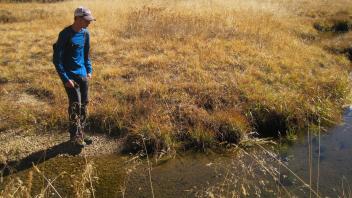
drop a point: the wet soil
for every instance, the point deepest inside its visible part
(23, 148)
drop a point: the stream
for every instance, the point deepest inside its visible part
(311, 166)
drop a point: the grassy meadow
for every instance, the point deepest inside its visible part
(182, 74)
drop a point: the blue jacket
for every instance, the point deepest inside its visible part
(71, 54)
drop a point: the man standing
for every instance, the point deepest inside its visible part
(72, 62)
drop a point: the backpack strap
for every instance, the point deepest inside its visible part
(84, 39)
(70, 38)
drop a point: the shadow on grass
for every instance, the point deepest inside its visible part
(39, 157)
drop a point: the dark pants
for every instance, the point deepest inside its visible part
(77, 109)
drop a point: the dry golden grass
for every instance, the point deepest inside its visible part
(195, 72)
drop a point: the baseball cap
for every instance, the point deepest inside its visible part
(85, 13)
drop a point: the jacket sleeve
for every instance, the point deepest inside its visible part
(58, 56)
(87, 62)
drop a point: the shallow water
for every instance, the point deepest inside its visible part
(331, 166)
(251, 172)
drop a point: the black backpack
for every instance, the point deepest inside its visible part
(66, 47)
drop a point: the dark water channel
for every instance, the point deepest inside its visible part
(251, 172)
(331, 165)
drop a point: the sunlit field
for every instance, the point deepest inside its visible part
(181, 74)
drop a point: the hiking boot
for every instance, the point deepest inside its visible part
(88, 140)
(72, 139)
(78, 141)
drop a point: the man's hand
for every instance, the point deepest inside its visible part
(69, 84)
(89, 75)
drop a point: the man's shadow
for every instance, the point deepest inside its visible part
(39, 157)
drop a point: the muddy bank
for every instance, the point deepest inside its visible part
(22, 148)
(313, 165)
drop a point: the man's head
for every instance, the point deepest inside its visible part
(83, 17)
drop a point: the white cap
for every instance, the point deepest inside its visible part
(85, 13)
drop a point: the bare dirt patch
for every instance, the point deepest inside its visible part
(19, 144)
